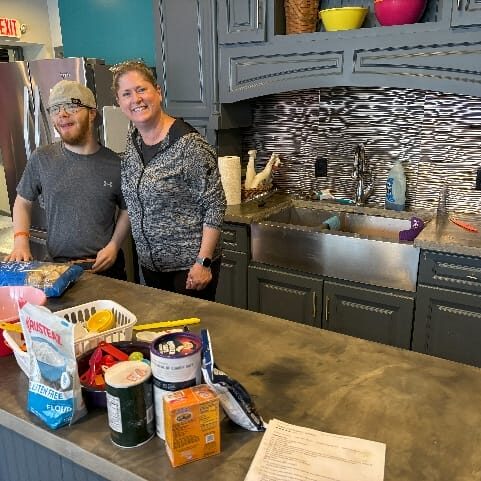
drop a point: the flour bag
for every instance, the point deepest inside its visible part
(54, 392)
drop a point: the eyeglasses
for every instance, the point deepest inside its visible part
(70, 108)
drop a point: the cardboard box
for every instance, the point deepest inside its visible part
(192, 424)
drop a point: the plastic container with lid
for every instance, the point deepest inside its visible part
(396, 187)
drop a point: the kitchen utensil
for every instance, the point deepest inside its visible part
(167, 324)
(101, 321)
(343, 18)
(398, 12)
(113, 351)
(464, 225)
(95, 395)
(94, 363)
(10, 326)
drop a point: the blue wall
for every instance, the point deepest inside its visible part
(114, 30)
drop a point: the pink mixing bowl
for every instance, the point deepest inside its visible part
(398, 12)
(9, 296)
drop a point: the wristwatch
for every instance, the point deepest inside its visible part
(204, 261)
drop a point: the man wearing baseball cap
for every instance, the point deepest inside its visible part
(79, 181)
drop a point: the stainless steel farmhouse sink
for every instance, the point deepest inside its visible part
(364, 247)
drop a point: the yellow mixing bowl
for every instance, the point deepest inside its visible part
(343, 18)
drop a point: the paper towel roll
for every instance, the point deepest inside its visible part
(230, 174)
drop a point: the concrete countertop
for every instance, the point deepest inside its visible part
(442, 235)
(257, 210)
(6, 235)
(439, 234)
(425, 409)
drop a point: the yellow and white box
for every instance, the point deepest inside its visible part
(192, 424)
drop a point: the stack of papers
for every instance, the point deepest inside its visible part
(293, 453)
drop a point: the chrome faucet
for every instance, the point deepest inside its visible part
(363, 176)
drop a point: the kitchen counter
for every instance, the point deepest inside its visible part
(425, 409)
(6, 235)
(258, 209)
(439, 234)
(442, 235)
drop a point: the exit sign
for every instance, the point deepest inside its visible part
(9, 27)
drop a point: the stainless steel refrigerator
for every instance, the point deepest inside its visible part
(25, 123)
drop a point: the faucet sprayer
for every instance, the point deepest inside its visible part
(363, 176)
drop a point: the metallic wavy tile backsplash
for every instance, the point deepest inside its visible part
(436, 135)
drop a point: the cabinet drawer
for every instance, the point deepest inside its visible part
(450, 270)
(235, 238)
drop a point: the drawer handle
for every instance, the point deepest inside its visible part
(326, 311)
(474, 278)
(314, 305)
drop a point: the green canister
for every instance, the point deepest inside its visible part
(130, 403)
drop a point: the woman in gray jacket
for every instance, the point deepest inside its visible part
(172, 188)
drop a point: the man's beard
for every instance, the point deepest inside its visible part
(79, 135)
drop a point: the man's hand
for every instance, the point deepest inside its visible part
(21, 250)
(105, 257)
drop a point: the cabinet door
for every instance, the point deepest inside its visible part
(371, 314)
(249, 71)
(235, 237)
(448, 325)
(466, 12)
(284, 294)
(241, 21)
(433, 60)
(450, 271)
(185, 56)
(232, 286)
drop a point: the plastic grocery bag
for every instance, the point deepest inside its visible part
(233, 397)
(54, 392)
(53, 278)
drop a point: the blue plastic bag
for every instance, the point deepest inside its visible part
(52, 278)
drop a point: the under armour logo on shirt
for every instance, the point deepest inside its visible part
(107, 184)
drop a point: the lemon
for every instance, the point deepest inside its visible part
(101, 321)
(136, 356)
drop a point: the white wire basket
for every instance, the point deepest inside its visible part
(122, 331)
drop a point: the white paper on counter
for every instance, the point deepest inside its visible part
(293, 453)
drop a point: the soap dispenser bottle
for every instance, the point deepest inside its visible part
(396, 187)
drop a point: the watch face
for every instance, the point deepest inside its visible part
(204, 261)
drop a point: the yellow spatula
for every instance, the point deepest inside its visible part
(166, 324)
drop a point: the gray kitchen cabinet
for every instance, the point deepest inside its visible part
(241, 21)
(466, 13)
(232, 286)
(24, 459)
(432, 55)
(447, 322)
(186, 61)
(285, 294)
(448, 325)
(416, 62)
(378, 315)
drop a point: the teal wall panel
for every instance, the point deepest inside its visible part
(114, 30)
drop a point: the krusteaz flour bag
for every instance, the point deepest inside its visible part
(54, 393)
